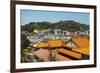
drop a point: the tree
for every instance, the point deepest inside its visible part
(24, 41)
(69, 25)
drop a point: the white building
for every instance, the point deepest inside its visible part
(57, 31)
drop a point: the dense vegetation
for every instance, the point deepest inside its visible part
(24, 41)
(64, 25)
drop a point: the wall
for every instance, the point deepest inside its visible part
(5, 36)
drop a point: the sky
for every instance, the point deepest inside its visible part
(28, 16)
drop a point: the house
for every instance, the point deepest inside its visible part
(66, 32)
(72, 34)
(77, 33)
(45, 30)
(80, 45)
(55, 43)
(62, 52)
(42, 45)
(87, 32)
(57, 31)
(36, 31)
(83, 33)
(78, 42)
(50, 44)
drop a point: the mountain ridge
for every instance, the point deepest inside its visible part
(69, 25)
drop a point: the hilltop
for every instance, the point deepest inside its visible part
(68, 25)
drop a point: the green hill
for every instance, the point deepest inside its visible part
(68, 25)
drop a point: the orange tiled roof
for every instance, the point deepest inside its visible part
(85, 51)
(50, 43)
(35, 45)
(41, 45)
(55, 43)
(80, 42)
(72, 47)
(71, 53)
